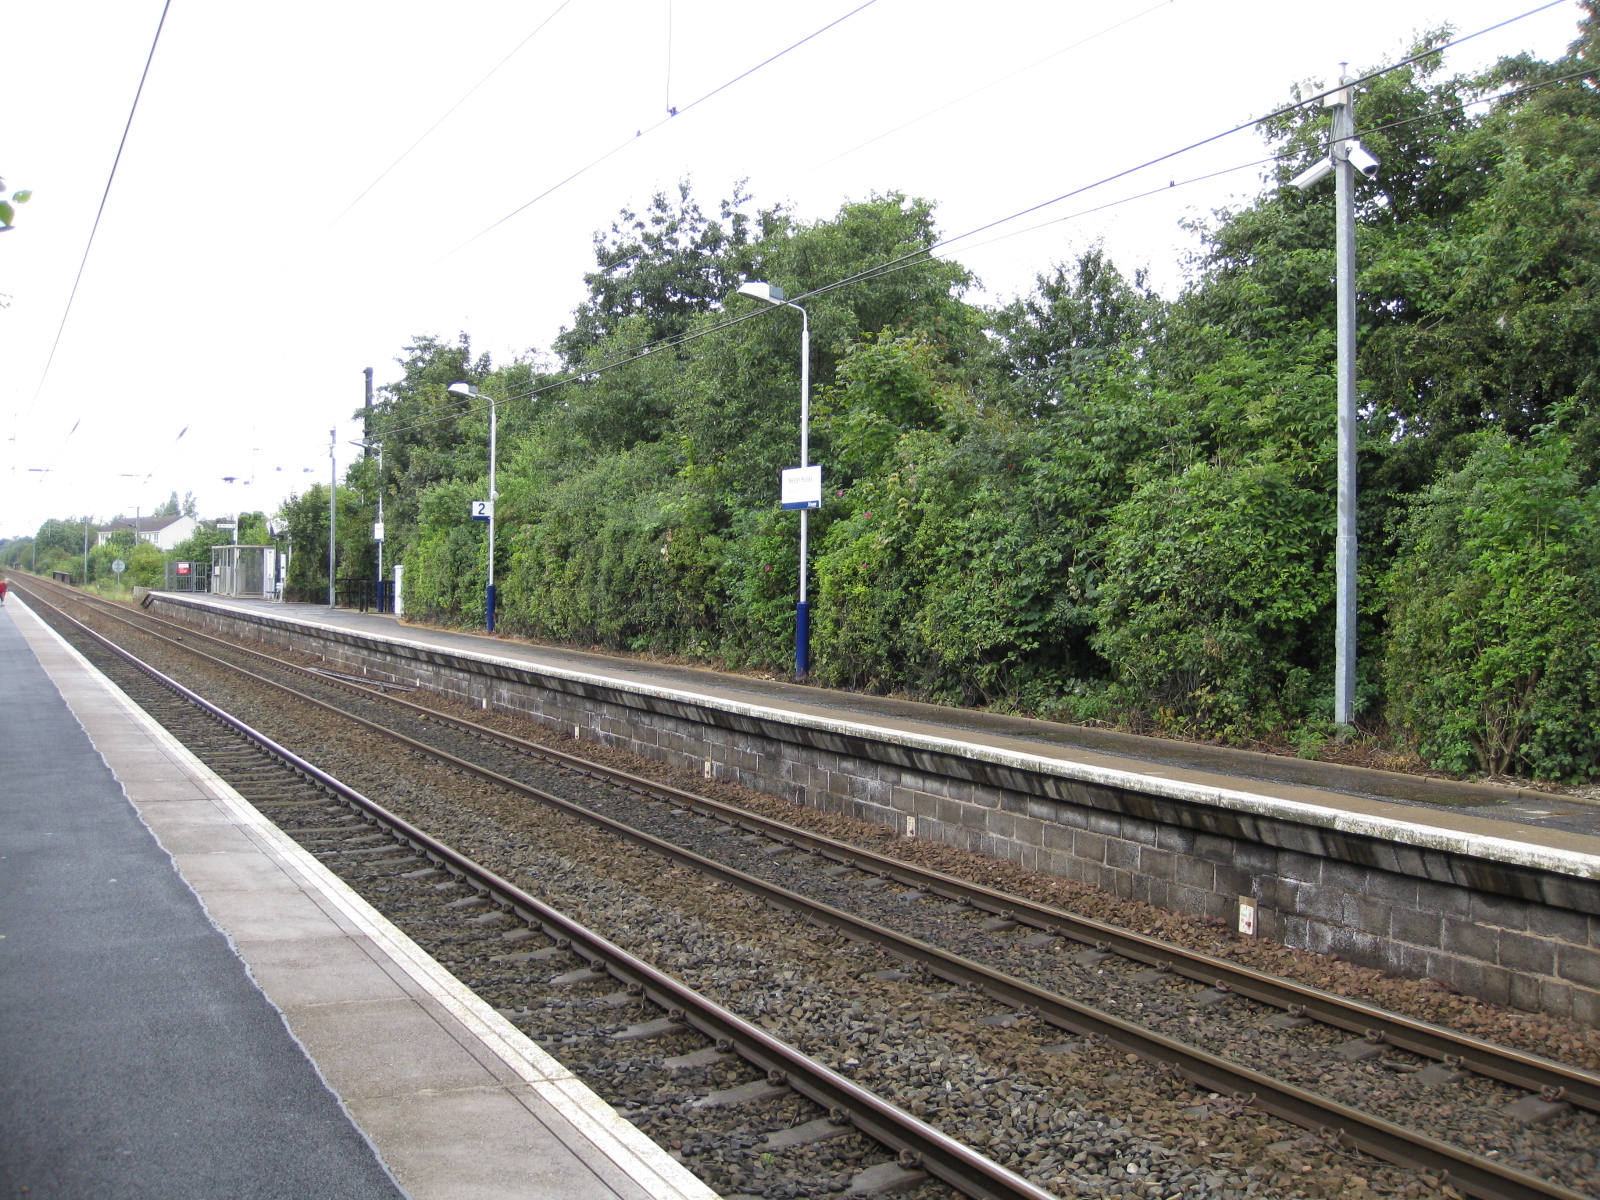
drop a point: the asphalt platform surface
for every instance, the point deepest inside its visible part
(137, 1057)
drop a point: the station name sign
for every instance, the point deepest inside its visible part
(802, 487)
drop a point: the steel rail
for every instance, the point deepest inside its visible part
(1471, 1173)
(918, 1143)
(1506, 1064)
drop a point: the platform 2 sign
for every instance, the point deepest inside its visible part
(802, 487)
(483, 510)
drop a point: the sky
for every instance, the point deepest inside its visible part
(276, 225)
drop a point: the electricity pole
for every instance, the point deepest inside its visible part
(366, 413)
(381, 529)
(1344, 666)
(333, 507)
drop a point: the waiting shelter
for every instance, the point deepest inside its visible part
(246, 572)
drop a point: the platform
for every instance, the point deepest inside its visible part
(192, 1006)
(1475, 811)
(1492, 891)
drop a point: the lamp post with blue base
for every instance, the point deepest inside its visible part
(802, 485)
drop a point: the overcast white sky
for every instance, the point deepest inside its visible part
(226, 295)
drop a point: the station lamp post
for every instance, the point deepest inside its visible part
(471, 392)
(803, 487)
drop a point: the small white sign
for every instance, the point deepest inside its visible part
(1247, 916)
(483, 510)
(118, 566)
(802, 487)
(377, 531)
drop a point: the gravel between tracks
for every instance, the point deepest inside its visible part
(1121, 1125)
(1557, 1038)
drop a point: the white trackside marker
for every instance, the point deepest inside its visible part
(1247, 916)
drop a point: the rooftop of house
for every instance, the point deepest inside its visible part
(141, 524)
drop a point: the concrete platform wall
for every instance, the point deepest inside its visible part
(1510, 933)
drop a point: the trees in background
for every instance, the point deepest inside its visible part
(1091, 502)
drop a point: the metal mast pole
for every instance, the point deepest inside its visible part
(333, 507)
(1344, 669)
(802, 622)
(493, 496)
(380, 523)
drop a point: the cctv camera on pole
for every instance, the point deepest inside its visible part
(1346, 157)
(1313, 174)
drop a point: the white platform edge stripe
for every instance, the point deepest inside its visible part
(621, 1142)
(1427, 837)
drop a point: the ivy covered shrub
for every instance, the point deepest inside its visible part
(947, 571)
(1493, 655)
(1214, 582)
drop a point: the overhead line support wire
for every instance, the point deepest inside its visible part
(995, 83)
(671, 113)
(100, 212)
(927, 252)
(467, 96)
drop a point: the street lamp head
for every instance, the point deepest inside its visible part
(463, 389)
(761, 290)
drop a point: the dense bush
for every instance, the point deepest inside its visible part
(1493, 660)
(1090, 501)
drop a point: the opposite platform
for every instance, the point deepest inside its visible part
(192, 1005)
(1494, 891)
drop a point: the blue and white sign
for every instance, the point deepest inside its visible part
(483, 510)
(802, 487)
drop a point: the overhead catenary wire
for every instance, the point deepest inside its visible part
(111, 178)
(928, 253)
(43, 473)
(1009, 75)
(1284, 111)
(1276, 158)
(667, 100)
(672, 114)
(467, 95)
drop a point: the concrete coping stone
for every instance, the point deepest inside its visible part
(1555, 859)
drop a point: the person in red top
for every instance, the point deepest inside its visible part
(2, 591)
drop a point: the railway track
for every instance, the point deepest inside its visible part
(291, 783)
(1551, 1084)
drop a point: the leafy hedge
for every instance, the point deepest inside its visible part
(1494, 644)
(1090, 501)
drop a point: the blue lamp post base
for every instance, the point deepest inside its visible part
(802, 638)
(489, 606)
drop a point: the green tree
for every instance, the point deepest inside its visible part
(1493, 660)
(663, 267)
